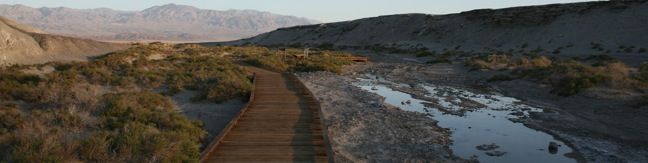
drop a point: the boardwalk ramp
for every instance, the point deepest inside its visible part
(280, 124)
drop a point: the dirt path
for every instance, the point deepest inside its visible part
(281, 124)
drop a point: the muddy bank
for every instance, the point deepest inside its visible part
(602, 130)
(364, 129)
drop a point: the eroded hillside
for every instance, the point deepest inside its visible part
(611, 27)
(21, 44)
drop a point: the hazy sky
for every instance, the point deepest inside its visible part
(322, 10)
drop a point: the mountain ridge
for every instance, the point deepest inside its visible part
(170, 22)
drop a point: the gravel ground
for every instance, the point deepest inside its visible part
(363, 129)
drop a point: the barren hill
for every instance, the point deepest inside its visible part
(21, 44)
(168, 22)
(612, 27)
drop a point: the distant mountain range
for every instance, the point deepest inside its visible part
(168, 22)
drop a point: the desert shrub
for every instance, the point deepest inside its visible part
(541, 62)
(618, 75)
(18, 85)
(216, 79)
(601, 60)
(144, 124)
(629, 49)
(444, 57)
(96, 148)
(571, 85)
(642, 50)
(105, 110)
(570, 77)
(643, 101)
(439, 59)
(130, 127)
(320, 63)
(294, 60)
(38, 147)
(642, 75)
(597, 46)
(425, 53)
(500, 78)
(536, 61)
(558, 50)
(275, 63)
(490, 62)
(10, 119)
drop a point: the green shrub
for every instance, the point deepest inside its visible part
(643, 72)
(37, 148)
(273, 62)
(597, 46)
(10, 119)
(145, 123)
(425, 53)
(642, 50)
(571, 85)
(96, 148)
(293, 60)
(570, 77)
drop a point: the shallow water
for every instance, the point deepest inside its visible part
(481, 126)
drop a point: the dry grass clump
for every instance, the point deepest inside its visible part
(533, 62)
(489, 62)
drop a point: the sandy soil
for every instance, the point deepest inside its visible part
(363, 129)
(213, 116)
(601, 129)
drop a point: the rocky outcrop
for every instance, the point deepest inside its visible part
(21, 44)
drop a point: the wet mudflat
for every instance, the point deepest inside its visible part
(482, 126)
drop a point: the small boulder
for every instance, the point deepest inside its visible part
(496, 153)
(553, 147)
(487, 147)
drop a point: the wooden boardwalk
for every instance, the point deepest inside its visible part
(280, 124)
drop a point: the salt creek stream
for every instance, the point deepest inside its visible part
(486, 133)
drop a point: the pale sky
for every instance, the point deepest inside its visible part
(322, 10)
